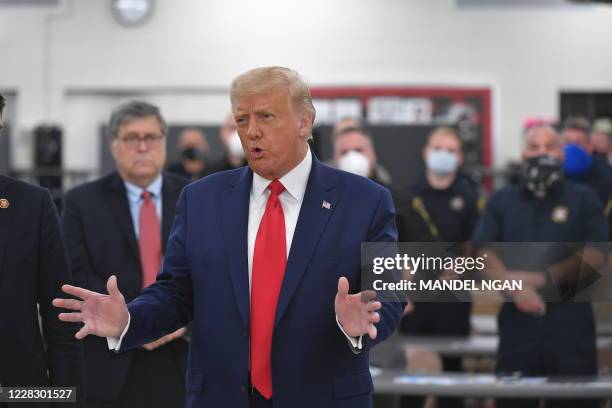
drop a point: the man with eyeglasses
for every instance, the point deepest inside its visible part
(119, 224)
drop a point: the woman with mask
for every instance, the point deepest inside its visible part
(441, 207)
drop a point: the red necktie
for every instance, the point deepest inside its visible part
(269, 260)
(150, 240)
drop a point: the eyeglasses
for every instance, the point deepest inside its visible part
(133, 141)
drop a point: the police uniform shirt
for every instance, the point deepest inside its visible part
(452, 210)
(570, 213)
(562, 341)
(447, 215)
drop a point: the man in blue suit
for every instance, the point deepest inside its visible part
(262, 259)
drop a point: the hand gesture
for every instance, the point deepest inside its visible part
(356, 313)
(102, 315)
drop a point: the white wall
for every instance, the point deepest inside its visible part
(73, 66)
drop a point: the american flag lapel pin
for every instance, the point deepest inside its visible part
(326, 205)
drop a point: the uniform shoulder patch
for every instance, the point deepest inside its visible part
(560, 214)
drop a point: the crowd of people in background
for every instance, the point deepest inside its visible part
(563, 167)
(565, 195)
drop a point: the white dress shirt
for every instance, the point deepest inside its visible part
(291, 199)
(134, 196)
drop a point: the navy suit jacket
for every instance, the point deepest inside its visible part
(205, 278)
(101, 241)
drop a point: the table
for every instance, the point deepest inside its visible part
(399, 382)
(487, 325)
(453, 346)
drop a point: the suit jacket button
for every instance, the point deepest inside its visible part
(244, 333)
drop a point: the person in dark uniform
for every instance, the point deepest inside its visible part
(536, 338)
(33, 266)
(583, 166)
(354, 152)
(601, 139)
(441, 207)
(193, 150)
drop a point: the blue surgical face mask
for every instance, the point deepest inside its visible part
(577, 160)
(441, 162)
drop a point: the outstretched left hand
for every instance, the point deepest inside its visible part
(356, 313)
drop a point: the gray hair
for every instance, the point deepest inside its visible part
(346, 122)
(577, 123)
(352, 129)
(133, 110)
(603, 125)
(531, 130)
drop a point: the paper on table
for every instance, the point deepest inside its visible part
(441, 380)
(524, 380)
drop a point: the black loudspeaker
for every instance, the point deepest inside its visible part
(48, 159)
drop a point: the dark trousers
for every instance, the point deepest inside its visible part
(148, 386)
(257, 401)
(559, 344)
(551, 403)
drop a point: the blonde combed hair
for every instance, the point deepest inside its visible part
(262, 80)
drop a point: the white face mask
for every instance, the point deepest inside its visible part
(441, 162)
(355, 162)
(234, 146)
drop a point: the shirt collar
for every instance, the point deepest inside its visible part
(136, 191)
(294, 181)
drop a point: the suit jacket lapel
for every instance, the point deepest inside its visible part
(235, 224)
(120, 208)
(170, 194)
(318, 205)
(5, 217)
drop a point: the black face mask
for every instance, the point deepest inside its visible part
(192, 153)
(541, 174)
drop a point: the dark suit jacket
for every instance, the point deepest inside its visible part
(33, 266)
(205, 278)
(101, 242)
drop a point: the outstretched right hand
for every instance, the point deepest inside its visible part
(102, 315)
